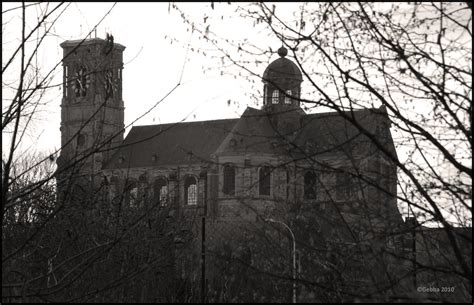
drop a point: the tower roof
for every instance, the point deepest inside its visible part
(87, 42)
(282, 72)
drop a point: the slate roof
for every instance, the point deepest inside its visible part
(170, 143)
(321, 133)
(85, 42)
(326, 133)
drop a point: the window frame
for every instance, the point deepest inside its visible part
(288, 99)
(228, 187)
(276, 97)
(158, 197)
(131, 189)
(143, 190)
(187, 186)
(307, 188)
(346, 191)
(261, 181)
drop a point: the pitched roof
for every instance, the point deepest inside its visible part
(178, 143)
(330, 132)
(170, 143)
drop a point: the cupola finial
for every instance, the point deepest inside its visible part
(282, 51)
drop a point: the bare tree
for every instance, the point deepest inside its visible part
(407, 66)
(60, 247)
(412, 61)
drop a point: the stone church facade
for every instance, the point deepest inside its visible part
(230, 175)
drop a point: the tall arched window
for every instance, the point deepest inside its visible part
(288, 97)
(264, 181)
(142, 190)
(346, 186)
(160, 191)
(275, 97)
(190, 190)
(229, 180)
(310, 181)
(131, 193)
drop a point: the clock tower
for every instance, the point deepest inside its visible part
(92, 109)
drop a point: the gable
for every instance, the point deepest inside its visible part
(252, 133)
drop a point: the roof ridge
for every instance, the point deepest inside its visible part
(181, 123)
(335, 113)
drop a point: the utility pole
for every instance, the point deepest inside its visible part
(203, 243)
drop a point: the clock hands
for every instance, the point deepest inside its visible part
(110, 86)
(81, 83)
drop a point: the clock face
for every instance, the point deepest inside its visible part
(109, 84)
(81, 82)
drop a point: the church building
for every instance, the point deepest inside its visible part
(274, 164)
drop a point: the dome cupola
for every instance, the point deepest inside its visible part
(282, 81)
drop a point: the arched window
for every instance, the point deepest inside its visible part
(310, 181)
(142, 190)
(346, 186)
(160, 191)
(190, 190)
(275, 97)
(288, 97)
(131, 193)
(229, 180)
(264, 181)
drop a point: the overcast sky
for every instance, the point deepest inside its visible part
(152, 65)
